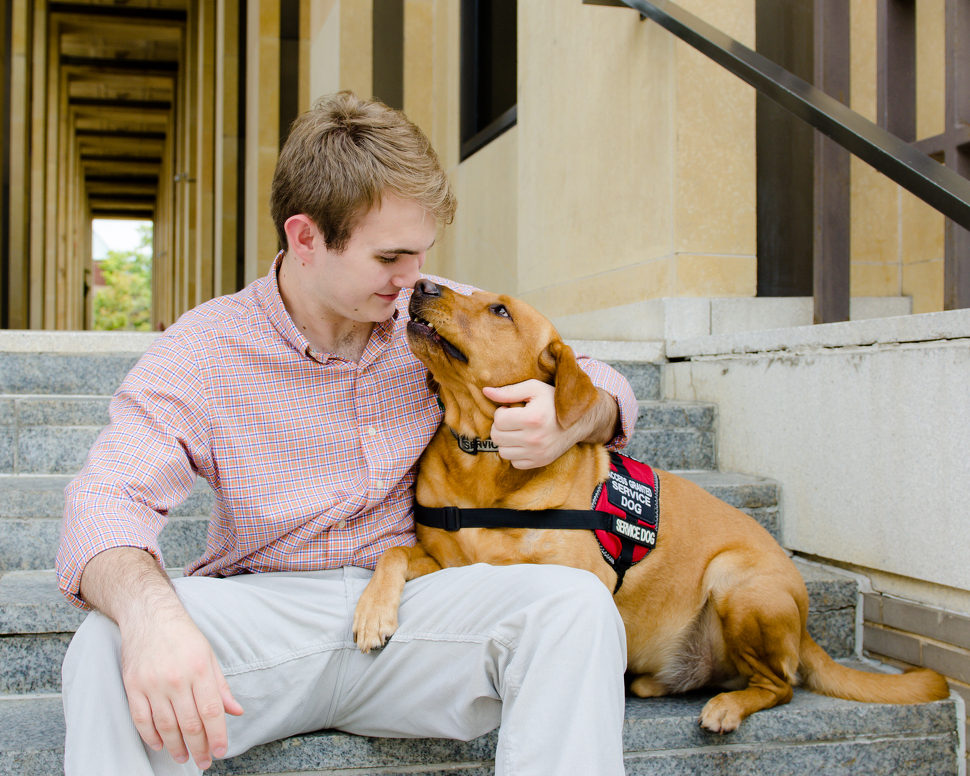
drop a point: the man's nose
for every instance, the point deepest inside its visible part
(410, 271)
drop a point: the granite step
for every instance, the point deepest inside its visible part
(31, 509)
(61, 373)
(674, 435)
(97, 373)
(810, 736)
(36, 624)
(43, 435)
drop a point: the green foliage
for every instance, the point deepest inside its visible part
(125, 303)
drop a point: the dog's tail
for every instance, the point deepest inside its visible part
(822, 674)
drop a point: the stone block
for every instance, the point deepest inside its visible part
(948, 661)
(894, 644)
(910, 616)
(831, 591)
(644, 379)
(183, 540)
(31, 736)
(833, 630)
(739, 490)
(662, 414)
(30, 603)
(8, 448)
(673, 448)
(63, 412)
(54, 450)
(63, 373)
(8, 412)
(28, 544)
(32, 664)
(769, 519)
(32, 496)
(917, 756)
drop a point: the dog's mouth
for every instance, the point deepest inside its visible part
(420, 327)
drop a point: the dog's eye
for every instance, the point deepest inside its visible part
(499, 309)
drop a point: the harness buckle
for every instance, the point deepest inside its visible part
(452, 519)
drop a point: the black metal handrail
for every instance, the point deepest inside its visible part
(926, 178)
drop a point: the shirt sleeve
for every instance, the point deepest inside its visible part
(141, 466)
(615, 384)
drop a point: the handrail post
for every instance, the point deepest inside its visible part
(956, 261)
(896, 67)
(832, 169)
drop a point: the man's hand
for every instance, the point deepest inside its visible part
(177, 694)
(531, 436)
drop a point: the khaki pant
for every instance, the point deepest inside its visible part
(539, 650)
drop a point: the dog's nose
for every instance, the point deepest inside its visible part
(425, 287)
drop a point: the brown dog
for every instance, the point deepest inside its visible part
(716, 603)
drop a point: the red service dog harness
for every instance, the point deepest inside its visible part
(624, 513)
(632, 495)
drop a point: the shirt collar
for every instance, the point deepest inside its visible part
(270, 299)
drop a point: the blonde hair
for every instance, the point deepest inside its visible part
(342, 156)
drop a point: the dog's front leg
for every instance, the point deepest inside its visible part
(375, 618)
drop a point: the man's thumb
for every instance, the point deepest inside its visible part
(508, 394)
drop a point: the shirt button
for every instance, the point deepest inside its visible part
(372, 431)
(341, 523)
(379, 484)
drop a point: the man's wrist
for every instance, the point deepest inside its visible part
(604, 420)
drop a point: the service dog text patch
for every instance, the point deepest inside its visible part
(631, 495)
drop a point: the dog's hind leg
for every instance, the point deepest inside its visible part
(761, 632)
(375, 618)
(647, 686)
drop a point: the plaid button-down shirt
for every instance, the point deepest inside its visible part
(311, 457)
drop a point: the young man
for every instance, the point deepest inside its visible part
(298, 401)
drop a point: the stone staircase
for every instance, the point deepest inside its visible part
(52, 406)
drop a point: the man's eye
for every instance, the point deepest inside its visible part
(388, 259)
(499, 309)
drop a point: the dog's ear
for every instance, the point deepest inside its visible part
(575, 392)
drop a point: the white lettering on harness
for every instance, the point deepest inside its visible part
(637, 533)
(630, 495)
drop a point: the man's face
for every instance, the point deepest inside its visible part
(385, 254)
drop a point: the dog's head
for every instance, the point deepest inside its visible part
(470, 342)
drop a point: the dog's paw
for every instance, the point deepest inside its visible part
(721, 715)
(373, 628)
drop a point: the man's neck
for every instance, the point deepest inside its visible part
(325, 332)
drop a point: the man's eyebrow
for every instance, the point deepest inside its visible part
(408, 251)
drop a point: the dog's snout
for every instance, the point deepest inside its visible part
(425, 287)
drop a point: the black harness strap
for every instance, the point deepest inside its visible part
(454, 519)
(634, 531)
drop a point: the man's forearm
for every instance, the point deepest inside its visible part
(126, 583)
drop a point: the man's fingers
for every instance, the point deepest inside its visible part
(141, 716)
(229, 703)
(210, 702)
(167, 724)
(193, 728)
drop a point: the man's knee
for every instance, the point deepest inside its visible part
(96, 646)
(580, 593)
(570, 603)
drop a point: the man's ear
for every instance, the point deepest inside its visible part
(302, 235)
(575, 393)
